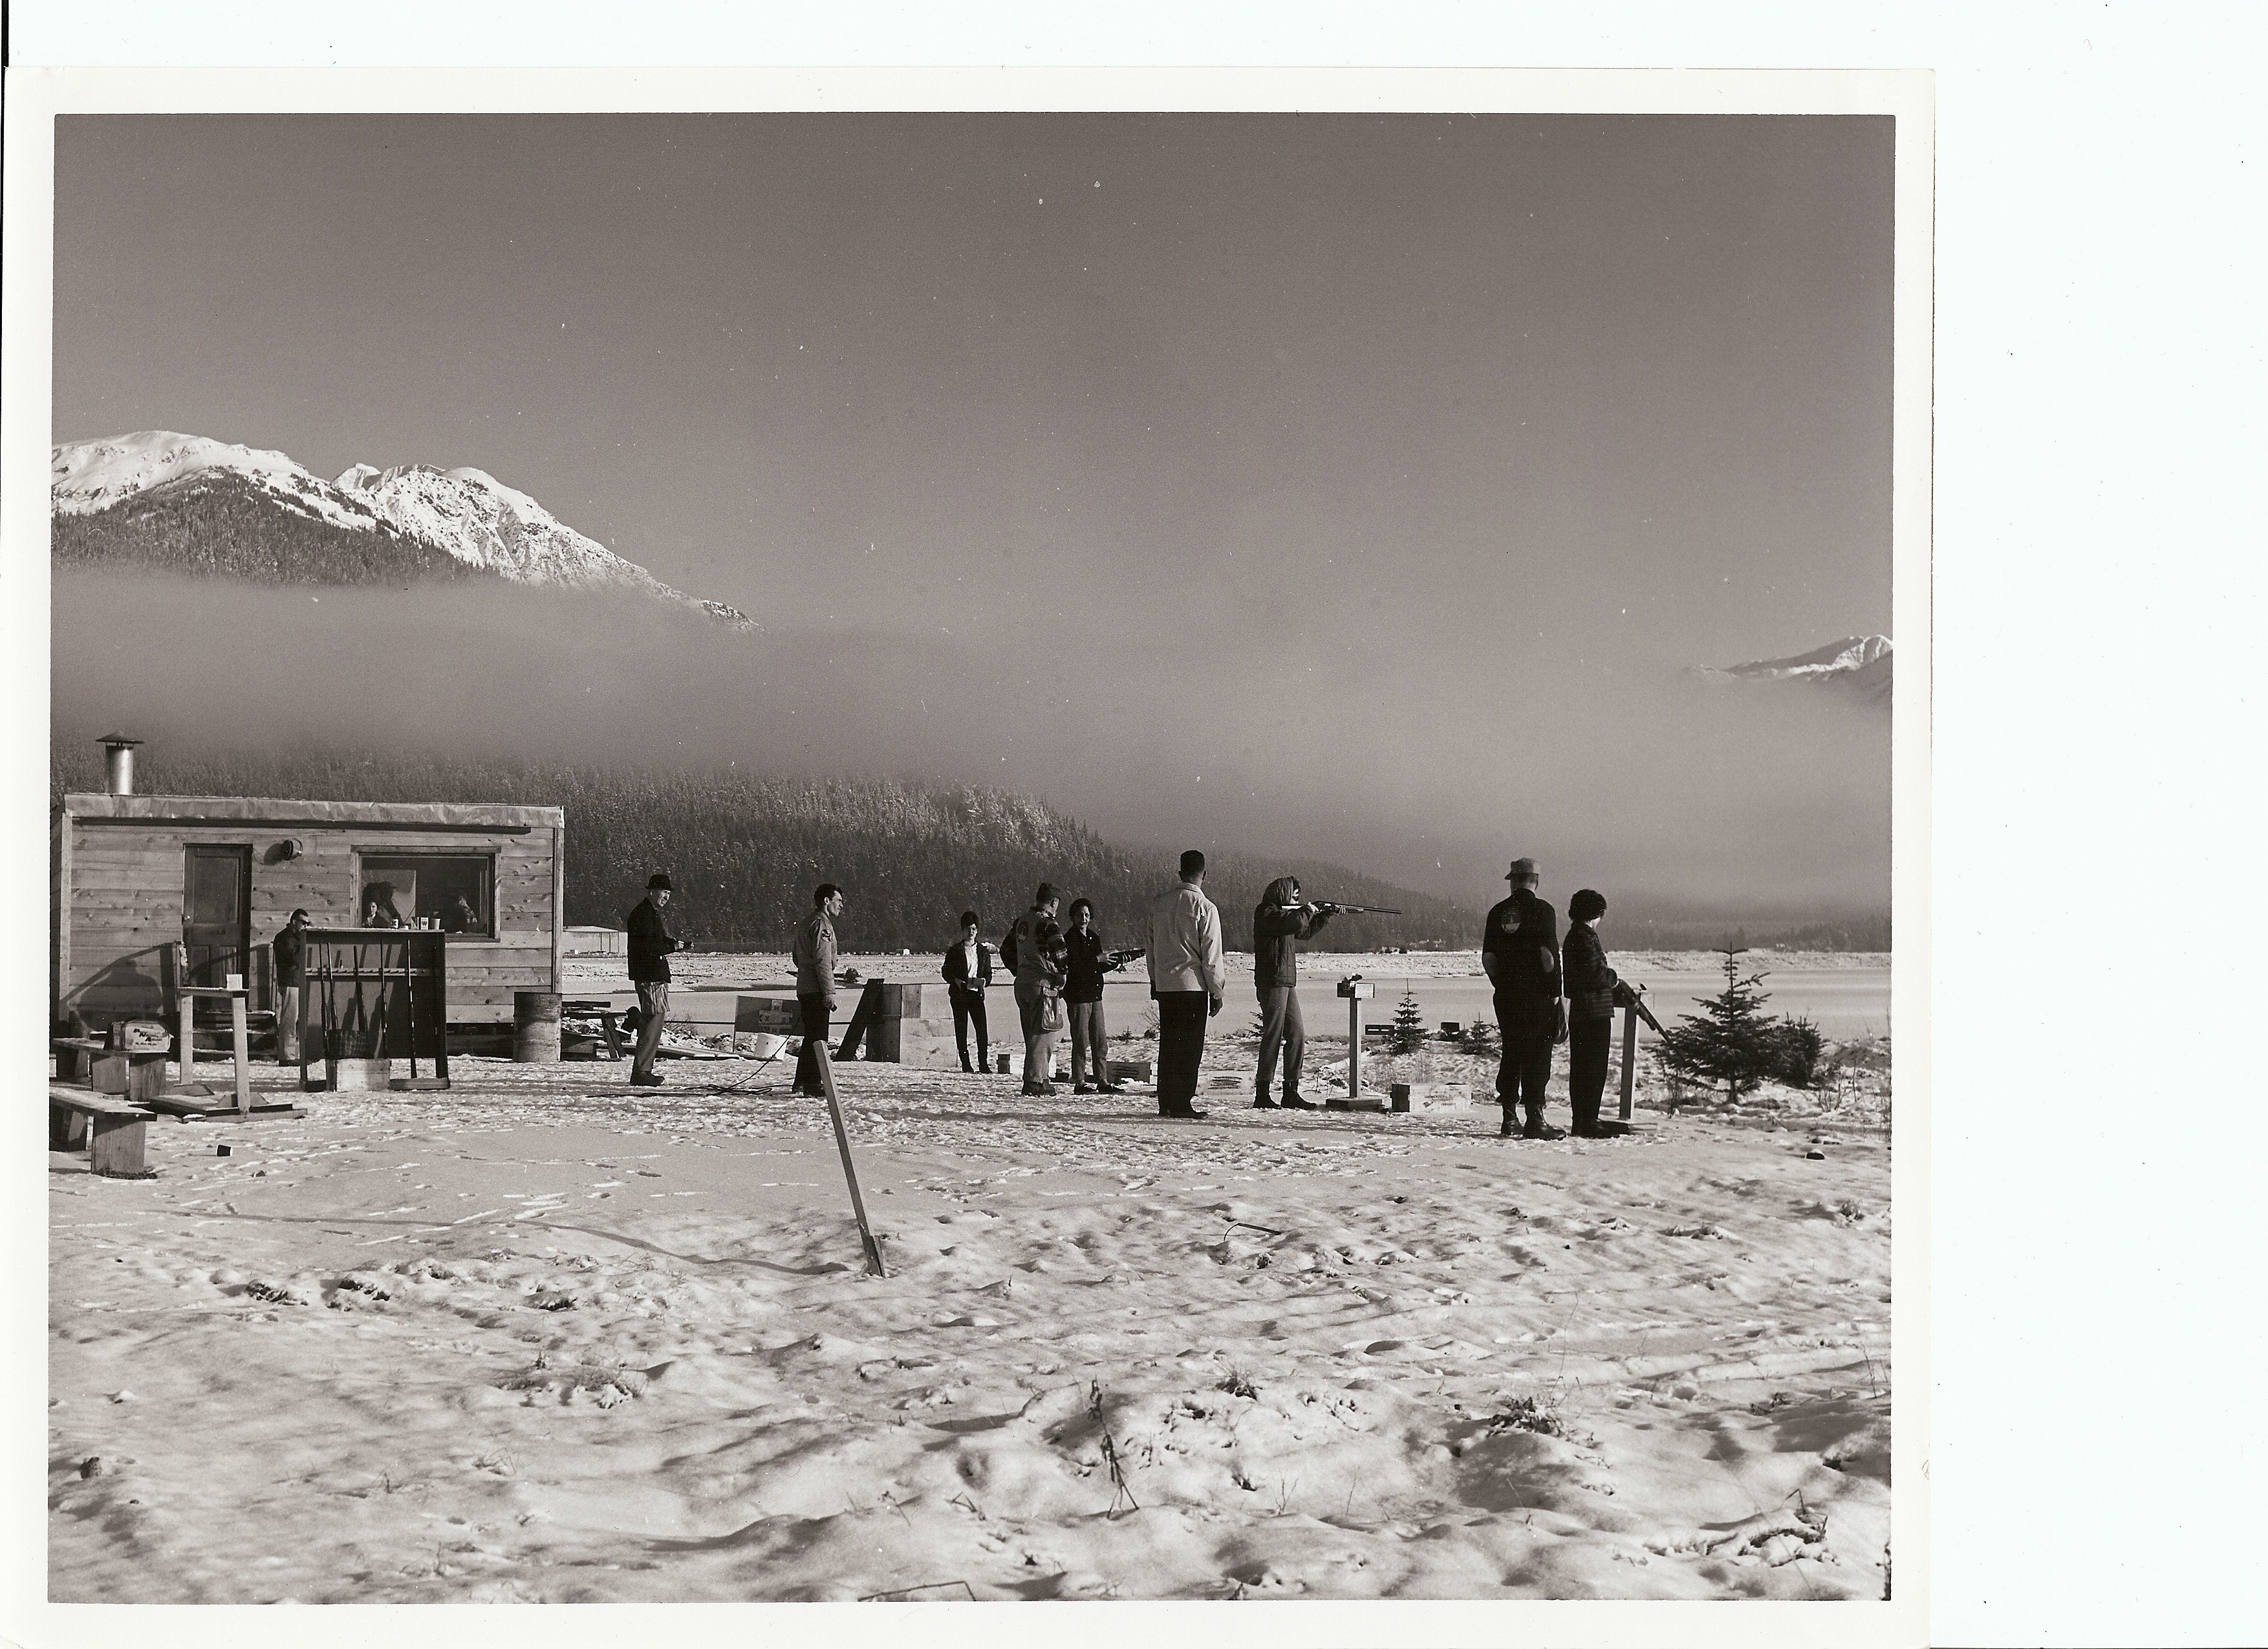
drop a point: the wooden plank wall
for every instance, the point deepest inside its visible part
(126, 886)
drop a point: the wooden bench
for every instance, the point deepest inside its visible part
(115, 1132)
(77, 1052)
(610, 1020)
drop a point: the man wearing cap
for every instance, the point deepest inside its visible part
(1520, 949)
(1188, 980)
(651, 945)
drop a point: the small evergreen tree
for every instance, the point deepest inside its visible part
(1796, 1044)
(1730, 1040)
(1406, 1034)
(1480, 1039)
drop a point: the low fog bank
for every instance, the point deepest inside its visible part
(1430, 767)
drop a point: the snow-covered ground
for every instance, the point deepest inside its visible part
(548, 1337)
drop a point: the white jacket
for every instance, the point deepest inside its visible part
(1185, 942)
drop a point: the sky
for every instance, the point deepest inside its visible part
(1380, 473)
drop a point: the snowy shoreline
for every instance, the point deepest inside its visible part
(752, 968)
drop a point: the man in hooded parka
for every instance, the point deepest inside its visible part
(1280, 920)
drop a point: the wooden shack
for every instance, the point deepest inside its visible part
(135, 875)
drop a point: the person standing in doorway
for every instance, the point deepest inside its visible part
(650, 945)
(291, 955)
(813, 953)
(968, 974)
(1591, 989)
(1086, 962)
(1281, 920)
(1187, 979)
(1520, 949)
(1035, 947)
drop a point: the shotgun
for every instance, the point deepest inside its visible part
(1628, 996)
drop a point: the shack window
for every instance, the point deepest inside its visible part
(454, 891)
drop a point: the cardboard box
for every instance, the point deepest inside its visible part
(1433, 1096)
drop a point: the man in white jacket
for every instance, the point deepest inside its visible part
(1188, 980)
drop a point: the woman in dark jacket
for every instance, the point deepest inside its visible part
(968, 972)
(1084, 964)
(1590, 1008)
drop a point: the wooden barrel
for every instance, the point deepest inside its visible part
(535, 1027)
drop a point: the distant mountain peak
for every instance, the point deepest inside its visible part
(86, 477)
(1859, 665)
(465, 514)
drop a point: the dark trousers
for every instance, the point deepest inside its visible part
(1282, 1031)
(967, 1011)
(1587, 1042)
(1088, 1038)
(654, 1007)
(1181, 1047)
(1521, 1076)
(816, 1010)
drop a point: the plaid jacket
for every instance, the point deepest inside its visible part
(1590, 981)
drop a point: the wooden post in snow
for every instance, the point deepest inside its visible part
(874, 1266)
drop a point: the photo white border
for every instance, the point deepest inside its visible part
(36, 96)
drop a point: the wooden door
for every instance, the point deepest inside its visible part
(217, 914)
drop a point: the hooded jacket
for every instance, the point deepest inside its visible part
(1278, 926)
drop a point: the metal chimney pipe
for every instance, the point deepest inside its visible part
(118, 762)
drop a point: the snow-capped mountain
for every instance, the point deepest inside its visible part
(194, 504)
(1858, 664)
(86, 477)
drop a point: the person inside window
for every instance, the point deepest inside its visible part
(378, 908)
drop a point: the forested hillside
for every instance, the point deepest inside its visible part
(745, 851)
(211, 525)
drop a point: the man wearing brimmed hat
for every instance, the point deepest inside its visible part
(1520, 949)
(651, 945)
